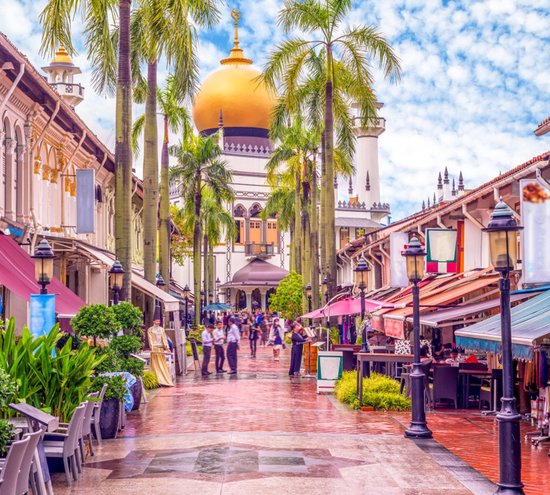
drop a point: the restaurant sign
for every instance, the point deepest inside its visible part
(535, 216)
(441, 250)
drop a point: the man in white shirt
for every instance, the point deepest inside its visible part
(219, 339)
(207, 341)
(233, 340)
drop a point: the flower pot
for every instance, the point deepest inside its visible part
(137, 390)
(367, 408)
(109, 418)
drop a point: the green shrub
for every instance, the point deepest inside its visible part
(287, 300)
(133, 366)
(75, 339)
(111, 362)
(116, 386)
(96, 320)
(379, 391)
(150, 380)
(129, 318)
(6, 435)
(124, 345)
(8, 393)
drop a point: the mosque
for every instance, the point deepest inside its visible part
(232, 101)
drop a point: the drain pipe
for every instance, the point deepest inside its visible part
(13, 87)
(33, 213)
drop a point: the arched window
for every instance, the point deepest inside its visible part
(239, 213)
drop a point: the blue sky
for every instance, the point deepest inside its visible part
(475, 82)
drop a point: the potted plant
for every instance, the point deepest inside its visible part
(8, 393)
(129, 318)
(112, 403)
(97, 321)
(124, 346)
(6, 436)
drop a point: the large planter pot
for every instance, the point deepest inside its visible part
(137, 390)
(109, 418)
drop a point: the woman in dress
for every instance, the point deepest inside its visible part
(276, 338)
(159, 348)
(298, 342)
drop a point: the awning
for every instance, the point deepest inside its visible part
(17, 274)
(107, 259)
(357, 222)
(347, 306)
(530, 325)
(436, 318)
(257, 273)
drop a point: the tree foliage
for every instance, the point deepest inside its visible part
(287, 300)
(129, 318)
(96, 320)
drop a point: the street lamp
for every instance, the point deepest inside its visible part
(503, 244)
(325, 288)
(160, 283)
(218, 282)
(361, 280)
(43, 264)
(308, 294)
(186, 292)
(414, 254)
(115, 280)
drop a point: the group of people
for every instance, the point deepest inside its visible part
(263, 328)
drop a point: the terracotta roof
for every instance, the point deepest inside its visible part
(543, 127)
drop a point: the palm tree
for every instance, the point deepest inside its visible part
(104, 54)
(352, 48)
(164, 29)
(199, 166)
(175, 119)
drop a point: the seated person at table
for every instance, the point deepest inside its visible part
(438, 351)
(378, 339)
(424, 354)
(454, 359)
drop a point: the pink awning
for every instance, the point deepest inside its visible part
(347, 306)
(17, 274)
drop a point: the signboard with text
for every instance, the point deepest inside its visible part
(535, 218)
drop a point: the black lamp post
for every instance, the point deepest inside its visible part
(43, 264)
(115, 280)
(361, 279)
(160, 283)
(218, 282)
(186, 292)
(325, 288)
(308, 294)
(414, 254)
(503, 245)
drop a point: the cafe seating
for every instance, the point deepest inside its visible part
(473, 383)
(445, 384)
(97, 414)
(11, 470)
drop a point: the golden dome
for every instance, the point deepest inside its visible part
(62, 57)
(235, 92)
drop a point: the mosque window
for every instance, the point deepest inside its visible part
(272, 236)
(255, 232)
(344, 236)
(239, 238)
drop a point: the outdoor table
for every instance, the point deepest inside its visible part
(464, 380)
(374, 357)
(349, 351)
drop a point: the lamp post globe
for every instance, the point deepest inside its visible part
(160, 283)
(414, 256)
(503, 245)
(115, 280)
(361, 279)
(43, 264)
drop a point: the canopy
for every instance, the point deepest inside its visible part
(347, 306)
(217, 306)
(257, 273)
(107, 259)
(17, 274)
(530, 324)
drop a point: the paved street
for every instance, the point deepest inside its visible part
(260, 432)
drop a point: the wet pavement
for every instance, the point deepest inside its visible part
(261, 432)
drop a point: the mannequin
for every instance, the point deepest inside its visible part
(159, 348)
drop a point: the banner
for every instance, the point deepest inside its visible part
(535, 217)
(42, 317)
(398, 264)
(85, 201)
(441, 250)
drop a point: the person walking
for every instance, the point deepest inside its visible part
(276, 338)
(219, 339)
(253, 337)
(298, 342)
(233, 340)
(207, 341)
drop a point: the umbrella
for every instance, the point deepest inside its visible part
(217, 307)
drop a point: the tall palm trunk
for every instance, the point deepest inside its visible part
(212, 270)
(314, 242)
(329, 224)
(297, 227)
(306, 231)
(206, 274)
(197, 254)
(164, 213)
(291, 252)
(323, 193)
(150, 187)
(123, 151)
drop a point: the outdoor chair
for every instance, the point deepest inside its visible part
(23, 481)
(9, 473)
(86, 432)
(445, 384)
(426, 366)
(474, 383)
(65, 445)
(97, 413)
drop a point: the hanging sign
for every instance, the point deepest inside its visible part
(42, 314)
(85, 201)
(441, 250)
(535, 217)
(398, 263)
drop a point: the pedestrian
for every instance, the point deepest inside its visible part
(207, 341)
(219, 339)
(264, 332)
(233, 340)
(276, 338)
(253, 337)
(298, 342)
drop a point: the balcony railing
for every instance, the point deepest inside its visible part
(260, 250)
(64, 88)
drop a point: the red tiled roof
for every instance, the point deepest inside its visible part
(543, 127)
